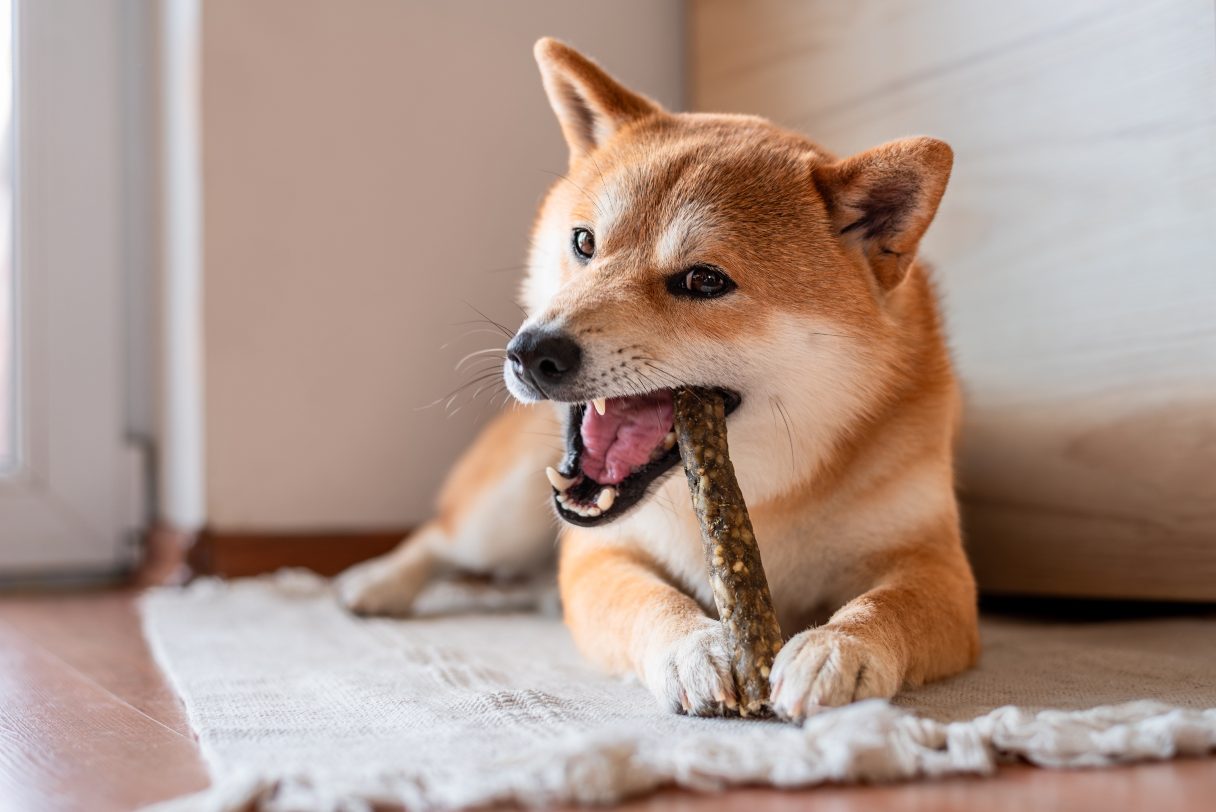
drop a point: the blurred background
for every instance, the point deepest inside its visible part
(244, 244)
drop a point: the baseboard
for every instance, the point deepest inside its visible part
(163, 562)
(233, 554)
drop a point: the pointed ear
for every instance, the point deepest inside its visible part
(590, 105)
(882, 200)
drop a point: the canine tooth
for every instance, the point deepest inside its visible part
(559, 482)
(561, 497)
(606, 498)
(669, 440)
(600, 404)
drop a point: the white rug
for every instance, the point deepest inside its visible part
(299, 706)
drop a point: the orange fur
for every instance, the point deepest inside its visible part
(510, 436)
(833, 327)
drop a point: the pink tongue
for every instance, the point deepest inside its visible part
(621, 439)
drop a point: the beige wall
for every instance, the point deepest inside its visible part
(1074, 249)
(369, 167)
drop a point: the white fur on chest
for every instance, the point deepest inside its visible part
(800, 566)
(811, 556)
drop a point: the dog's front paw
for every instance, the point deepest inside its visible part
(824, 668)
(385, 585)
(692, 674)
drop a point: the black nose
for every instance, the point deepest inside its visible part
(545, 356)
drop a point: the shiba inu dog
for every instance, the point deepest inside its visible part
(722, 251)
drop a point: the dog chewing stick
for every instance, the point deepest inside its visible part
(735, 572)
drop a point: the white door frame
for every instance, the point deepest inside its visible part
(65, 509)
(180, 446)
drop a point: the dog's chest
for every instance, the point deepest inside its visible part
(805, 573)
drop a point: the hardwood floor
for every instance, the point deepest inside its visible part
(88, 723)
(86, 720)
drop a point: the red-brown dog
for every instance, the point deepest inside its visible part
(722, 251)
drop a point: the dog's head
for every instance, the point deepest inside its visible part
(710, 250)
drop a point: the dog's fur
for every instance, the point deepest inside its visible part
(842, 443)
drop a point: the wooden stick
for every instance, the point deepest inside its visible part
(735, 572)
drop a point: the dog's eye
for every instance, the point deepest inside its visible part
(584, 243)
(702, 282)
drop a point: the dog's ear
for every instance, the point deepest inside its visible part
(883, 199)
(590, 104)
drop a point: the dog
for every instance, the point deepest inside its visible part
(722, 251)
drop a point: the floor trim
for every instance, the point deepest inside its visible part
(232, 554)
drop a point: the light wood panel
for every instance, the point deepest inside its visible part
(1075, 247)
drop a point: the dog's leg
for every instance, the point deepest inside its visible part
(626, 617)
(493, 516)
(388, 584)
(915, 624)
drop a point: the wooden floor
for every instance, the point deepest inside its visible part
(88, 723)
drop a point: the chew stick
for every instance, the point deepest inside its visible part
(735, 572)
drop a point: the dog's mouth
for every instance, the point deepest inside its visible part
(616, 449)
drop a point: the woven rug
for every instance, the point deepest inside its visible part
(299, 706)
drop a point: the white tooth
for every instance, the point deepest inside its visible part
(669, 440)
(559, 482)
(600, 404)
(606, 498)
(593, 512)
(561, 497)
